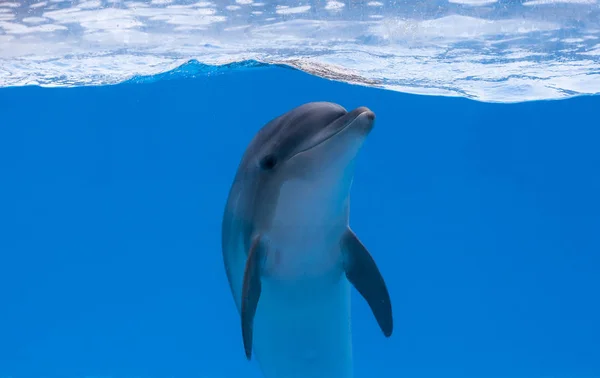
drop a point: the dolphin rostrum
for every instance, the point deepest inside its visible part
(289, 253)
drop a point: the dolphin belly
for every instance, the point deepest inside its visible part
(302, 328)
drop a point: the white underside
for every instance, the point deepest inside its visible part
(302, 325)
(302, 329)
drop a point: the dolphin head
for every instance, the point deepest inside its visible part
(301, 163)
(314, 140)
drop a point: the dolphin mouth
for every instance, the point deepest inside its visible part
(340, 124)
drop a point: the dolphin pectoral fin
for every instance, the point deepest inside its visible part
(363, 274)
(251, 292)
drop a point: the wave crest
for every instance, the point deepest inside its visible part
(486, 50)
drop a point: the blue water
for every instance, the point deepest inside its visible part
(483, 218)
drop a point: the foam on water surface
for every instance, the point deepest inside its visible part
(489, 50)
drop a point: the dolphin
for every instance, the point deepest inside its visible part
(290, 255)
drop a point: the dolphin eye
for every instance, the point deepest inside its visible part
(268, 162)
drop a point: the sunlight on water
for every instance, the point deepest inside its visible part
(488, 50)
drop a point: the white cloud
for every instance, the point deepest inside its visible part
(103, 19)
(284, 9)
(38, 5)
(594, 52)
(34, 20)
(473, 3)
(16, 28)
(546, 2)
(458, 28)
(573, 40)
(91, 4)
(334, 5)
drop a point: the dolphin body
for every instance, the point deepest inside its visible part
(289, 253)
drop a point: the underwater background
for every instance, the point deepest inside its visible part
(479, 201)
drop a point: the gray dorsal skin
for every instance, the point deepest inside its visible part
(289, 253)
